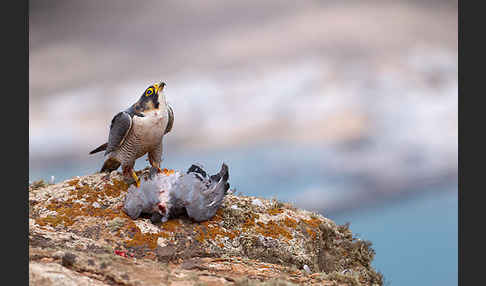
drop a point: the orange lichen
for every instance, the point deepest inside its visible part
(275, 211)
(272, 229)
(85, 192)
(311, 233)
(200, 234)
(313, 224)
(68, 212)
(116, 189)
(209, 231)
(143, 239)
(139, 239)
(73, 182)
(171, 225)
(289, 222)
(250, 222)
(218, 217)
(93, 195)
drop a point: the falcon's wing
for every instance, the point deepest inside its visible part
(171, 119)
(120, 125)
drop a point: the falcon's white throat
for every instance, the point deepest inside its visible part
(151, 127)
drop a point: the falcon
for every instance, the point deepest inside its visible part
(136, 131)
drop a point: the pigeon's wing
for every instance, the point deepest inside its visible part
(213, 197)
(221, 178)
(201, 199)
(218, 188)
(119, 128)
(171, 119)
(186, 192)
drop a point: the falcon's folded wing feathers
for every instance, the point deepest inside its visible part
(171, 119)
(119, 128)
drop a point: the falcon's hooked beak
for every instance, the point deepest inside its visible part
(159, 87)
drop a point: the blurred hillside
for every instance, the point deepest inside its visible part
(371, 86)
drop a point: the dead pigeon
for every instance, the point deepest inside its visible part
(166, 196)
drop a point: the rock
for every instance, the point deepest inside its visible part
(68, 260)
(78, 234)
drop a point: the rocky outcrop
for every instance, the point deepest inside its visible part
(79, 235)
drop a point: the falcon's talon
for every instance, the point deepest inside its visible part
(137, 180)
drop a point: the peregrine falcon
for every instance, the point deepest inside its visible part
(138, 130)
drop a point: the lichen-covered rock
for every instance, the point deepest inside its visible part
(78, 231)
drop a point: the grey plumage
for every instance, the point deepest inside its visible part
(165, 196)
(120, 125)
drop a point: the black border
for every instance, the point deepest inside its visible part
(15, 135)
(471, 187)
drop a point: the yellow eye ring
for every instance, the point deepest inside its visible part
(149, 92)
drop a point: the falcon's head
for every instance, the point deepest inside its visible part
(151, 97)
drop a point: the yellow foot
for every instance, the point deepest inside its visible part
(137, 180)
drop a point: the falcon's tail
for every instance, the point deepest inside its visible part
(110, 165)
(101, 148)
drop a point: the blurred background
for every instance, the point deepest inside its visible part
(347, 108)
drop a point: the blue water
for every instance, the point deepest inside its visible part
(415, 240)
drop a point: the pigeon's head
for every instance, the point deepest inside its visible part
(163, 211)
(163, 206)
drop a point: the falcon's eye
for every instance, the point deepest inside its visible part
(149, 92)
